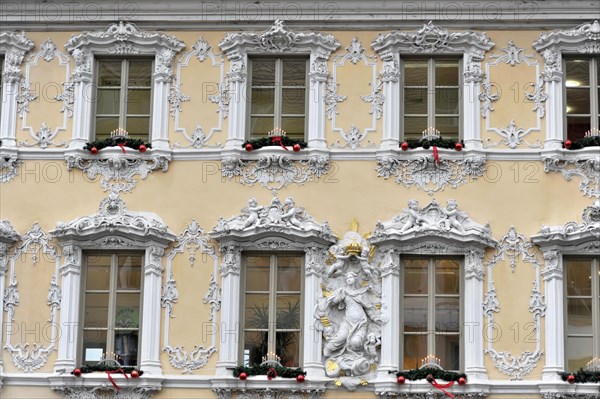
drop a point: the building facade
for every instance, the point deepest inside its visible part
(300, 200)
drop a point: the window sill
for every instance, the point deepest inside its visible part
(70, 386)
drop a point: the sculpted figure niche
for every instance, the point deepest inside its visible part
(349, 310)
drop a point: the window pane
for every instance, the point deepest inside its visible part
(98, 273)
(447, 349)
(105, 125)
(293, 101)
(415, 73)
(448, 126)
(447, 279)
(257, 273)
(94, 346)
(255, 347)
(139, 126)
(579, 316)
(294, 72)
(96, 310)
(579, 278)
(579, 352)
(127, 313)
(414, 126)
(446, 101)
(415, 276)
(288, 312)
(129, 276)
(287, 347)
(261, 125)
(446, 73)
(108, 102)
(140, 73)
(294, 127)
(138, 101)
(263, 101)
(257, 311)
(578, 101)
(415, 314)
(447, 314)
(415, 349)
(263, 72)
(415, 101)
(109, 73)
(288, 273)
(126, 347)
(577, 126)
(578, 73)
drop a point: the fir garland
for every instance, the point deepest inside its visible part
(115, 141)
(584, 142)
(421, 374)
(438, 142)
(107, 367)
(582, 376)
(270, 141)
(283, 372)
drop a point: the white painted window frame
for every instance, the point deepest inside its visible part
(122, 39)
(594, 114)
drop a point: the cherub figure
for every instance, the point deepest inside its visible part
(253, 211)
(452, 214)
(340, 260)
(364, 262)
(291, 213)
(413, 218)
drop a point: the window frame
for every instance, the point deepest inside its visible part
(595, 299)
(431, 92)
(123, 88)
(431, 334)
(111, 301)
(278, 100)
(594, 86)
(272, 324)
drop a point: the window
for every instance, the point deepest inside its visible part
(582, 94)
(582, 311)
(272, 308)
(278, 96)
(124, 97)
(1, 79)
(112, 308)
(431, 97)
(431, 303)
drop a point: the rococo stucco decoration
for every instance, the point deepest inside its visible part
(349, 310)
(105, 392)
(9, 166)
(429, 175)
(268, 393)
(275, 172)
(586, 168)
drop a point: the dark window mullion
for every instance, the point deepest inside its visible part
(278, 92)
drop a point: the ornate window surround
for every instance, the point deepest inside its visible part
(432, 40)
(112, 228)
(583, 39)
(122, 39)
(555, 242)
(270, 228)
(434, 230)
(278, 40)
(8, 236)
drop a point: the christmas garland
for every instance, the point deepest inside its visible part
(436, 142)
(582, 143)
(424, 373)
(136, 144)
(581, 376)
(270, 371)
(281, 141)
(104, 368)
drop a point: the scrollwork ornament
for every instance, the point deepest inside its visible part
(376, 99)
(170, 295)
(512, 136)
(332, 98)
(231, 260)
(586, 169)
(9, 167)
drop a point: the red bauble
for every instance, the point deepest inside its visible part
(404, 146)
(429, 378)
(77, 372)
(568, 144)
(142, 148)
(243, 376)
(135, 374)
(401, 379)
(94, 150)
(571, 379)
(458, 146)
(462, 381)
(248, 147)
(300, 377)
(296, 147)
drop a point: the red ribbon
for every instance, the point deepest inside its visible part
(122, 145)
(112, 381)
(436, 156)
(442, 386)
(277, 140)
